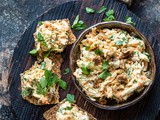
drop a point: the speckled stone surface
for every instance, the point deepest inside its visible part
(17, 15)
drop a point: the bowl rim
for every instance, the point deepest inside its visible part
(125, 104)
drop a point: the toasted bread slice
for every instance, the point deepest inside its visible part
(51, 113)
(53, 35)
(29, 82)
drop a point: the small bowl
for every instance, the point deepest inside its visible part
(75, 52)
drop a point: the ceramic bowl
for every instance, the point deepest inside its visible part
(75, 52)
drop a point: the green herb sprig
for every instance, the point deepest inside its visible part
(102, 9)
(129, 21)
(70, 98)
(78, 24)
(89, 10)
(67, 71)
(110, 16)
(105, 72)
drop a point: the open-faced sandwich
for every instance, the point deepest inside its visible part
(113, 65)
(67, 110)
(40, 84)
(53, 35)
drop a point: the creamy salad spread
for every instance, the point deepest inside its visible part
(52, 35)
(113, 65)
(68, 111)
(34, 82)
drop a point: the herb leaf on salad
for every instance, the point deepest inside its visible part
(85, 70)
(33, 52)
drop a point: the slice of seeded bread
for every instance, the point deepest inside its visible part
(53, 98)
(51, 113)
(68, 32)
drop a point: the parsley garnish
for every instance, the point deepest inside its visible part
(110, 16)
(26, 92)
(129, 21)
(78, 25)
(89, 10)
(87, 48)
(104, 64)
(104, 74)
(48, 81)
(40, 23)
(134, 81)
(62, 84)
(40, 37)
(98, 52)
(70, 98)
(85, 70)
(90, 65)
(121, 42)
(102, 9)
(43, 82)
(43, 65)
(69, 108)
(33, 52)
(48, 53)
(67, 71)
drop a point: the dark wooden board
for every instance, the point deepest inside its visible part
(146, 109)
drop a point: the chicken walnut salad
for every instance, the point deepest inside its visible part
(113, 65)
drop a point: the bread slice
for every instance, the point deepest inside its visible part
(53, 35)
(51, 98)
(51, 113)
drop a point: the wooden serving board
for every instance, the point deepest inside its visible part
(146, 109)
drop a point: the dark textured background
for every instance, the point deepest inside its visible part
(15, 17)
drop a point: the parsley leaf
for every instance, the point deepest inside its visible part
(89, 10)
(104, 74)
(48, 53)
(46, 83)
(26, 92)
(104, 64)
(40, 23)
(90, 65)
(87, 48)
(102, 9)
(121, 42)
(40, 37)
(109, 12)
(51, 79)
(69, 108)
(62, 84)
(110, 16)
(70, 98)
(134, 81)
(43, 65)
(67, 71)
(98, 52)
(85, 69)
(129, 21)
(78, 25)
(41, 90)
(33, 52)
(43, 82)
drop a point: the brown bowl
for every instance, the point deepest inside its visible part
(75, 52)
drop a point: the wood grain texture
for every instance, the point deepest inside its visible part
(147, 108)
